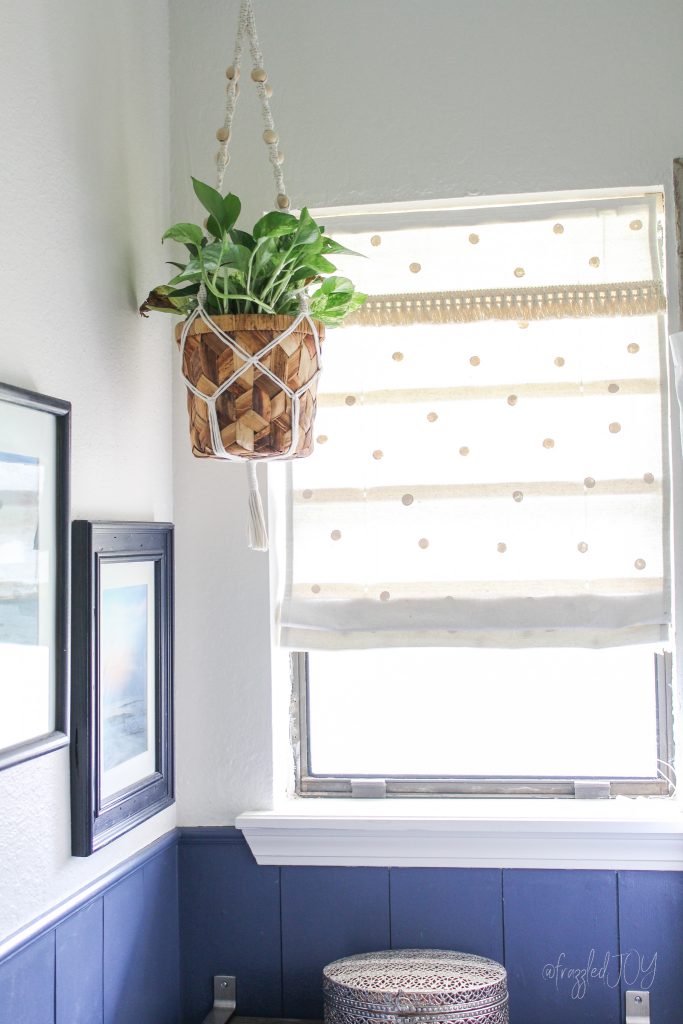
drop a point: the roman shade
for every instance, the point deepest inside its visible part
(491, 464)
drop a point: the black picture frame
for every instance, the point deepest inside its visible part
(97, 818)
(11, 396)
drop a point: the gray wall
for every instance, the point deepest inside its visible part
(84, 123)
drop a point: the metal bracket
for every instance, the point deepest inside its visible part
(224, 1004)
(637, 1007)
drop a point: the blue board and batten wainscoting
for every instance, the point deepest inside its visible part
(142, 945)
(108, 956)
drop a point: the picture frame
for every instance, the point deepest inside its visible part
(35, 440)
(122, 769)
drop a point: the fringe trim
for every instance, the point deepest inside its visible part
(629, 298)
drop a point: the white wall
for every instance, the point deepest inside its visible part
(83, 203)
(381, 100)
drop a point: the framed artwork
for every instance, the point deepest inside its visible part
(122, 682)
(34, 574)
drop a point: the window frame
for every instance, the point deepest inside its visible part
(308, 784)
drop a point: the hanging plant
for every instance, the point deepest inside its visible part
(266, 271)
(256, 305)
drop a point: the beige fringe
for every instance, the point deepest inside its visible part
(629, 298)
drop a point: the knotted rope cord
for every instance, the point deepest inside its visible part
(246, 25)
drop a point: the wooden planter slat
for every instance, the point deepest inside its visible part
(254, 413)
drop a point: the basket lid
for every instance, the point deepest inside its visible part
(415, 980)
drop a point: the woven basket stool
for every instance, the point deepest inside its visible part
(255, 411)
(415, 986)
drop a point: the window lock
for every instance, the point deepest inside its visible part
(369, 789)
(592, 789)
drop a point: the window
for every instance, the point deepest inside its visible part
(477, 586)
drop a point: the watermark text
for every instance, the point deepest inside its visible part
(633, 968)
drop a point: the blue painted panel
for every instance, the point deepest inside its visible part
(125, 935)
(448, 908)
(328, 913)
(27, 984)
(651, 928)
(162, 955)
(79, 966)
(230, 924)
(140, 946)
(558, 925)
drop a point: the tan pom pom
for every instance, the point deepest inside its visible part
(223, 134)
(283, 201)
(280, 158)
(270, 137)
(232, 72)
(259, 75)
(268, 91)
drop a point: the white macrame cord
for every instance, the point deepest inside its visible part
(257, 531)
(247, 25)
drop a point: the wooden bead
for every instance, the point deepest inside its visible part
(223, 134)
(259, 75)
(232, 72)
(283, 201)
(270, 137)
(268, 91)
(280, 158)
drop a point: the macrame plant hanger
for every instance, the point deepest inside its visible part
(257, 531)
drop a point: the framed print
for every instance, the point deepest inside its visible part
(122, 686)
(34, 574)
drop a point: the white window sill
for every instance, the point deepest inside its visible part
(620, 834)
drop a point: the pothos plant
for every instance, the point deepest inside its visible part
(264, 271)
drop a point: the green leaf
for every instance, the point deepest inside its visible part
(307, 231)
(220, 255)
(307, 249)
(263, 257)
(214, 228)
(288, 304)
(231, 210)
(356, 301)
(191, 289)
(192, 272)
(304, 275)
(210, 200)
(334, 300)
(332, 285)
(187, 234)
(331, 247)
(321, 265)
(184, 278)
(275, 224)
(163, 300)
(242, 238)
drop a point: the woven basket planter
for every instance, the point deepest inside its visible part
(255, 412)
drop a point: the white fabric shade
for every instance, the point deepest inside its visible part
(492, 482)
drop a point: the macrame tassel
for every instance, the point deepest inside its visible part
(258, 532)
